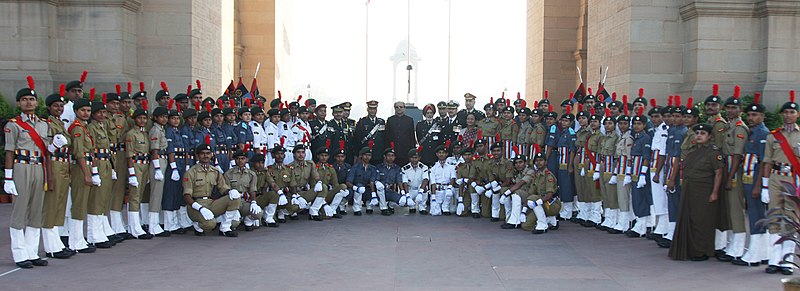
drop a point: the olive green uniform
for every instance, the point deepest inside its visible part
(543, 182)
(305, 173)
(282, 177)
(608, 192)
(55, 198)
(82, 146)
(327, 174)
(466, 194)
(594, 142)
(158, 141)
(735, 140)
(100, 196)
(246, 182)
(117, 126)
(488, 126)
(578, 165)
(500, 170)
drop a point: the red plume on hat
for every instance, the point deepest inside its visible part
(207, 139)
(232, 103)
(197, 106)
(480, 134)
(569, 109)
(391, 144)
(31, 83)
(419, 148)
(640, 112)
(279, 95)
(515, 149)
(736, 92)
(164, 86)
(62, 90)
(280, 106)
(328, 143)
(625, 99)
(535, 104)
(614, 96)
(247, 103)
(83, 76)
(669, 101)
(246, 147)
(188, 89)
(119, 89)
(497, 137)
(144, 105)
(757, 98)
(208, 107)
(519, 96)
(591, 111)
(590, 90)
(130, 87)
(447, 144)
(715, 90)
(580, 107)
(625, 108)
(536, 148)
(105, 98)
(653, 102)
(792, 96)
(370, 144)
(546, 94)
(503, 94)
(91, 92)
(199, 86)
(178, 106)
(549, 108)
(641, 92)
(491, 100)
(283, 139)
(170, 104)
(141, 86)
(677, 100)
(260, 104)
(299, 98)
(608, 112)
(341, 145)
(219, 103)
(690, 103)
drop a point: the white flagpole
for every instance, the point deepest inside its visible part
(366, 52)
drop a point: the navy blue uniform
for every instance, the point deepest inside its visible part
(173, 190)
(565, 146)
(641, 198)
(674, 140)
(754, 154)
(341, 177)
(391, 177)
(362, 176)
(189, 141)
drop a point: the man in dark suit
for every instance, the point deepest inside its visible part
(400, 131)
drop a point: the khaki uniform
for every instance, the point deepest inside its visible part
(117, 126)
(773, 154)
(281, 176)
(688, 144)
(624, 145)
(720, 128)
(327, 174)
(500, 170)
(137, 150)
(582, 136)
(735, 140)
(28, 175)
(538, 135)
(594, 142)
(199, 182)
(82, 146)
(523, 137)
(158, 141)
(246, 182)
(543, 182)
(488, 126)
(100, 196)
(608, 148)
(468, 170)
(55, 198)
(508, 129)
(305, 173)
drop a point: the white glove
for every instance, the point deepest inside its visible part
(764, 190)
(420, 191)
(318, 187)
(132, 178)
(613, 180)
(233, 164)
(219, 169)
(627, 180)
(583, 172)
(362, 190)
(410, 201)
(403, 200)
(254, 209)
(294, 199)
(596, 176)
(301, 202)
(59, 140)
(460, 207)
(496, 189)
(642, 181)
(9, 185)
(374, 200)
(355, 188)
(282, 198)
(187, 168)
(488, 193)
(503, 199)
(459, 181)
(175, 175)
(531, 204)
(478, 188)
(113, 175)
(51, 148)
(523, 215)
(234, 194)
(207, 214)
(95, 177)
(159, 175)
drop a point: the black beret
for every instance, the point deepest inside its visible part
(257, 158)
(81, 102)
(160, 110)
(139, 112)
(173, 112)
(112, 97)
(215, 111)
(162, 94)
(273, 112)
(243, 110)
(181, 97)
(97, 106)
(74, 84)
(278, 149)
(704, 127)
(203, 115)
(227, 111)
(275, 103)
(53, 98)
(202, 147)
(189, 112)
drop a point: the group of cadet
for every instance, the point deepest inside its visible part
(194, 163)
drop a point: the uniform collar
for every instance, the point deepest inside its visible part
(205, 167)
(791, 127)
(29, 117)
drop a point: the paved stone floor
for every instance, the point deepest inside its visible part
(403, 252)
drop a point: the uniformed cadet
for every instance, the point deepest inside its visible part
(553, 127)
(371, 128)
(74, 90)
(360, 177)
(309, 187)
(273, 134)
(593, 204)
(507, 131)
(158, 157)
(26, 143)
(244, 131)
(198, 185)
(539, 132)
(137, 151)
(100, 193)
(499, 171)
(622, 159)
(416, 177)
(781, 166)
(388, 184)
(55, 197)
(543, 201)
(512, 197)
(84, 174)
(501, 103)
(257, 166)
(245, 181)
(579, 165)
(733, 153)
(257, 127)
(340, 130)
(342, 169)
(759, 244)
(713, 107)
(281, 183)
(442, 179)
(176, 157)
(320, 130)
(489, 125)
(676, 135)
(188, 132)
(334, 191)
(116, 127)
(563, 147)
(606, 158)
(195, 97)
(225, 135)
(469, 108)
(638, 166)
(468, 200)
(481, 159)
(427, 134)
(659, 218)
(525, 133)
(454, 158)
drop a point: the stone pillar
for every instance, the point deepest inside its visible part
(779, 71)
(255, 42)
(27, 32)
(552, 40)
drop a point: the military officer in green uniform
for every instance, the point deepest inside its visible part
(245, 181)
(198, 183)
(520, 189)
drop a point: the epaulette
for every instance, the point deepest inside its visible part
(739, 123)
(406, 167)
(775, 130)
